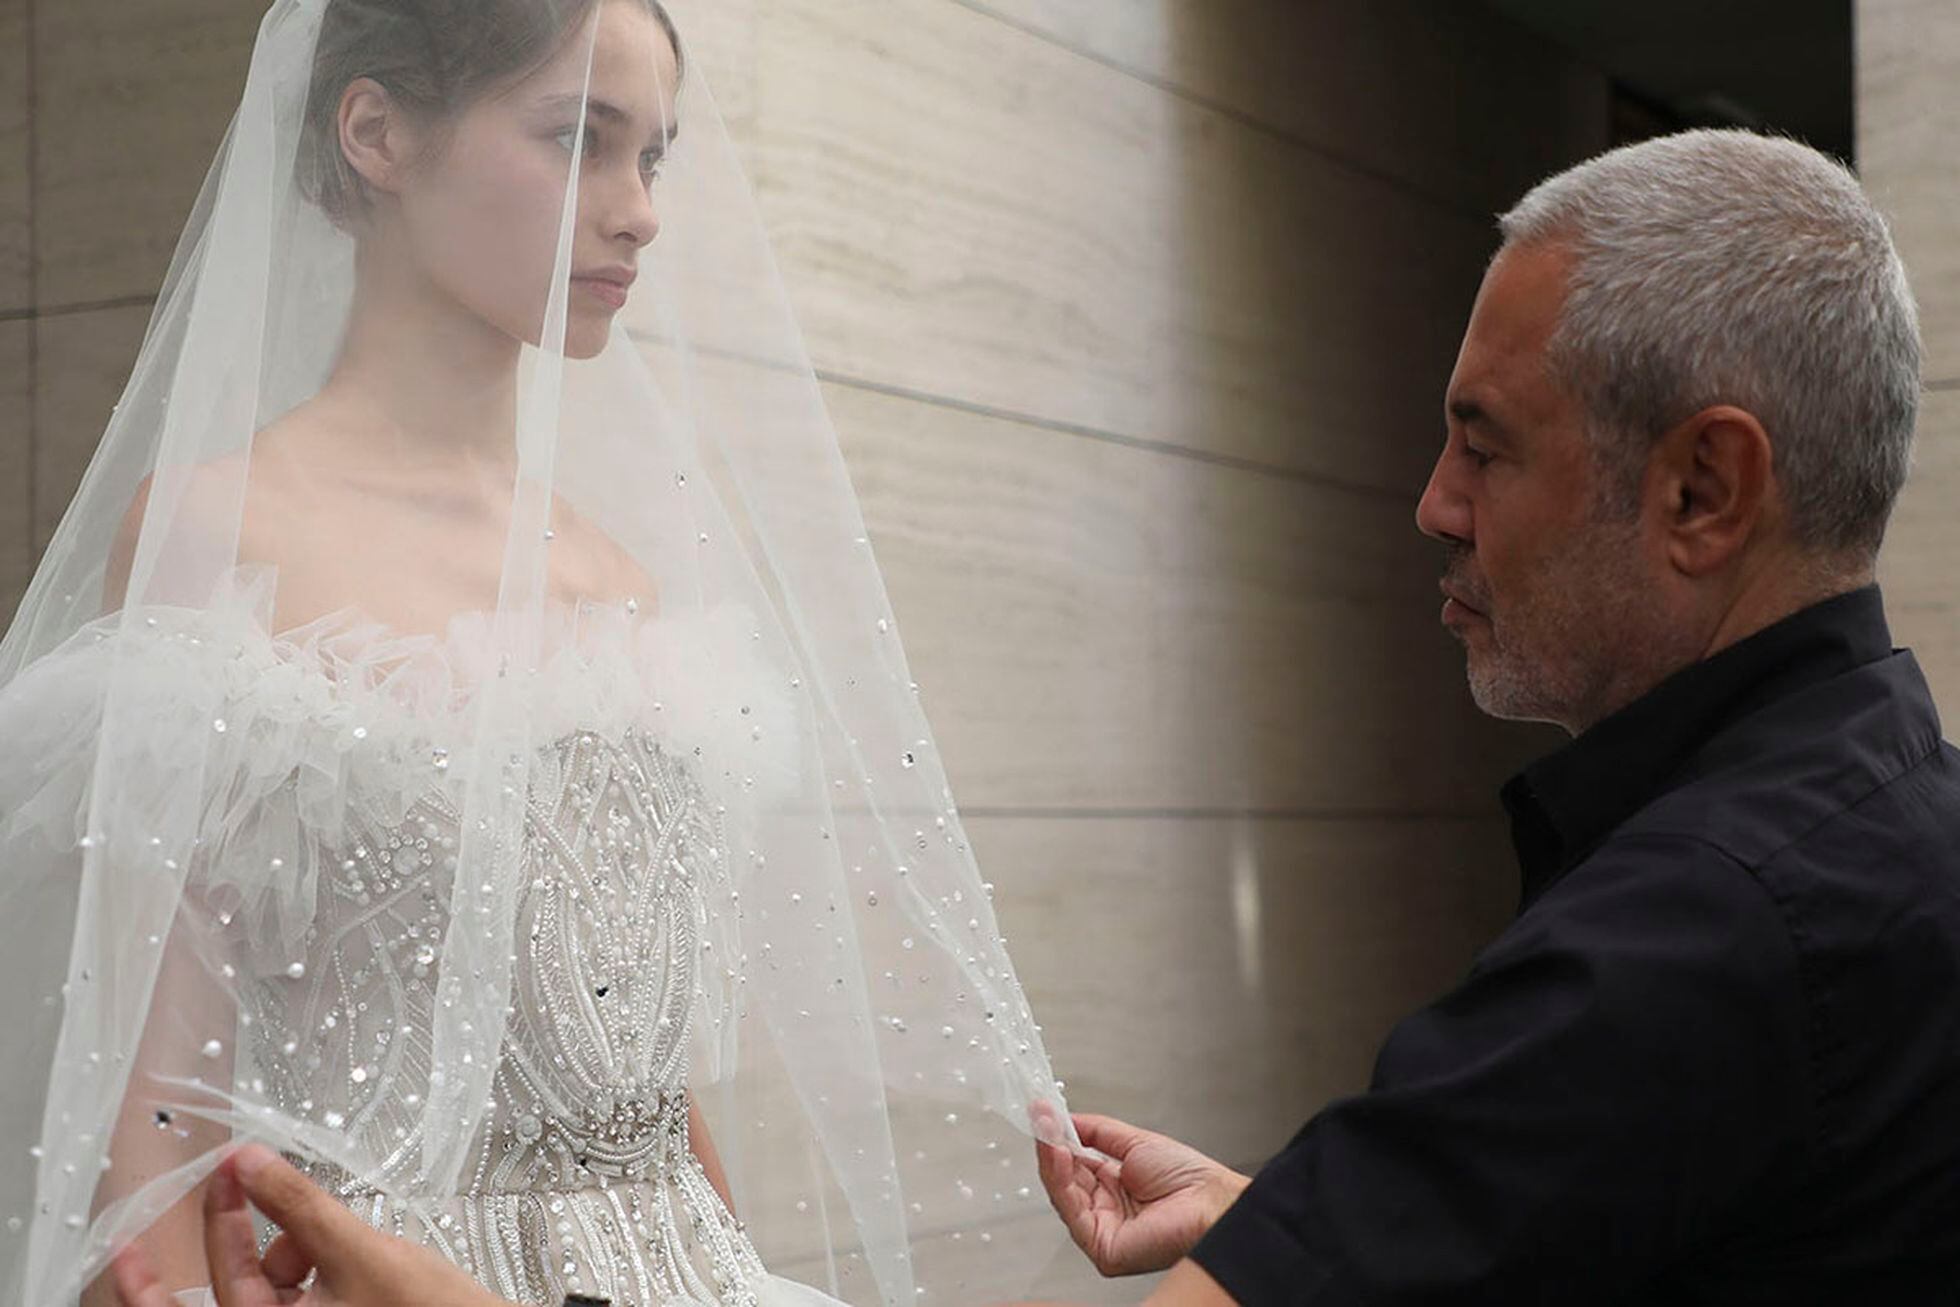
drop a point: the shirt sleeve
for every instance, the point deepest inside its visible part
(1615, 1077)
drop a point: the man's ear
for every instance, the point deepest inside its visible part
(374, 137)
(1712, 481)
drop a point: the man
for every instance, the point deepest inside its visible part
(1714, 1057)
(356, 1265)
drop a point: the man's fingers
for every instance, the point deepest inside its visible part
(1108, 1135)
(136, 1280)
(313, 1220)
(1045, 1121)
(1070, 1193)
(285, 1262)
(231, 1247)
(1055, 1165)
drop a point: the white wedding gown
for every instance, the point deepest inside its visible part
(581, 1178)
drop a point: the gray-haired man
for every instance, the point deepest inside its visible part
(1716, 1058)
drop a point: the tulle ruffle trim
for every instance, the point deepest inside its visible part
(270, 743)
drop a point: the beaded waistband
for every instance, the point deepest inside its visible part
(612, 1138)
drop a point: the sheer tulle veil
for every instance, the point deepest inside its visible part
(472, 416)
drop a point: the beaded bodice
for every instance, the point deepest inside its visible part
(620, 857)
(619, 850)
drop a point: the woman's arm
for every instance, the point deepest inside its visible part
(140, 1147)
(704, 1149)
(144, 1145)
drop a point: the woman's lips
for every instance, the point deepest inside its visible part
(604, 289)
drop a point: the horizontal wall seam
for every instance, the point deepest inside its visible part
(997, 813)
(80, 306)
(1338, 158)
(1235, 462)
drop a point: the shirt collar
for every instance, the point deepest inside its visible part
(1564, 804)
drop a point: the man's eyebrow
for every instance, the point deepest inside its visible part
(1472, 414)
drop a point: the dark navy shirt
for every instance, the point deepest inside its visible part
(1716, 1057)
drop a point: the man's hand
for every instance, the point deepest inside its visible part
(358, 1266)
(1146, 1205)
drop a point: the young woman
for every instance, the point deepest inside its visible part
(457, 735)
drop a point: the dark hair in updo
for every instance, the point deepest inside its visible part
(435, 57)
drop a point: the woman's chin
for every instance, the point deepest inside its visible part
(587, 329)
(583, 340)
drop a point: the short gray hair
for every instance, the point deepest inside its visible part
(1726, 267)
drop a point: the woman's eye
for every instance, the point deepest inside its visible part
(569, 140)
(650, 164)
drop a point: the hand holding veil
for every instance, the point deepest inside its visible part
(458, 736)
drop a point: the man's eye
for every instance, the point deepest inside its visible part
(1477, 456)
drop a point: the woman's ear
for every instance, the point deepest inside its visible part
(373, 137)
(1718, 487)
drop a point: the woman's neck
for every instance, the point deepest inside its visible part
(433, 382)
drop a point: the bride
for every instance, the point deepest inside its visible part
(458, 737)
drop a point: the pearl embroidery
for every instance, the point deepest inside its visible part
(582, 1178)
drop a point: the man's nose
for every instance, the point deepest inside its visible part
(1443, 512)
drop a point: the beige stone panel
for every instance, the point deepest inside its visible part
(83, 359)
(967, 210)
(978, 1224)
(1050, 1266)
(16, 524)
(1217, 979)
(1386, 86)
(1916, 567)
(720, 40)
(1098, 626)
(1223, 979)
(131, 103)
(1908, 118)
(14, 190)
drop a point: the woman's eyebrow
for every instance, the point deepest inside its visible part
(594, 108)
(607, 111)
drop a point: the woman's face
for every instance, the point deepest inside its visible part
(482, 215)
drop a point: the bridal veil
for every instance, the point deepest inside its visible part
(299, 590)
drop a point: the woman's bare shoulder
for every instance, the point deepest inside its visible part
(230, 499)
(200, 499)
(598, 566)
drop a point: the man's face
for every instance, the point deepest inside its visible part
(1546, 590)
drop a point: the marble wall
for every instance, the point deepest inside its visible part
(1134, 316)
(1908, 117)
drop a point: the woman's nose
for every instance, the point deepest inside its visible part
(637, 221)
